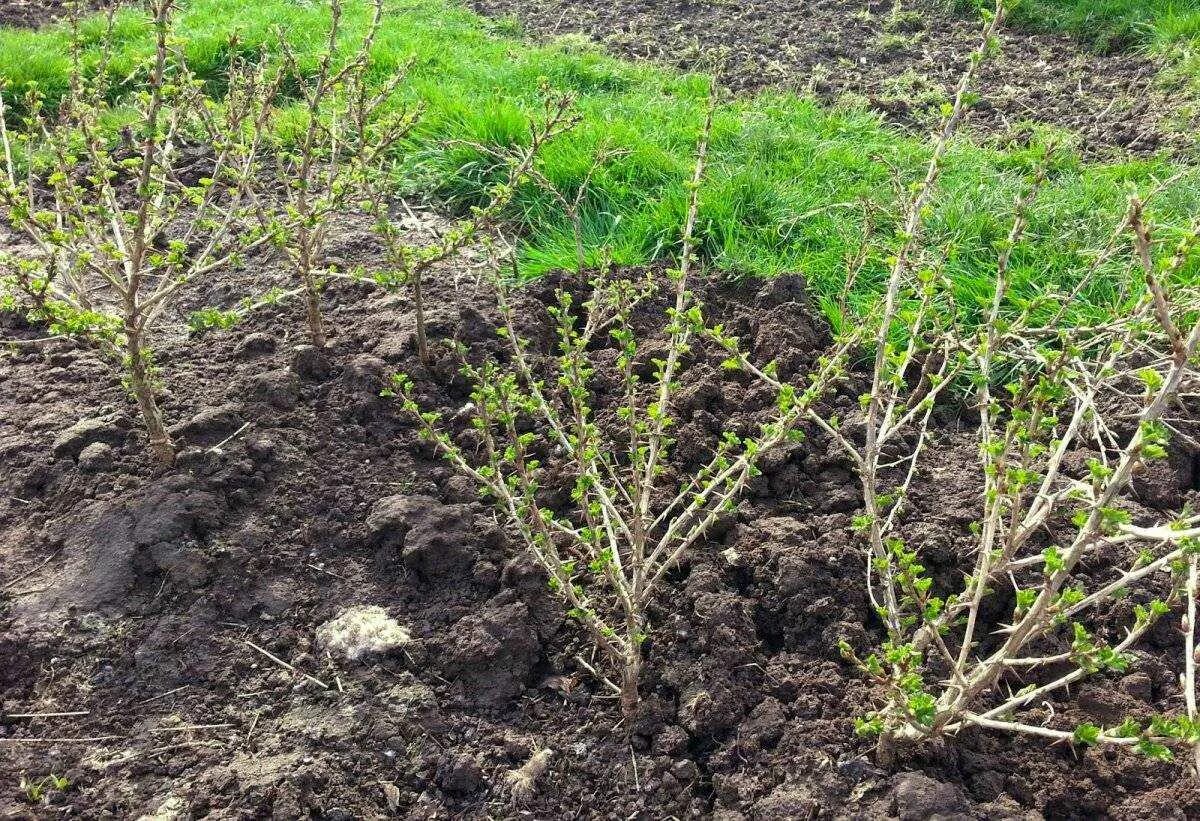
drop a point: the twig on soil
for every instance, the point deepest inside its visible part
(135, 754)
(284, 664)
(320, 569)
(164, 695)
(253, 724)
(337, 679)
(48, 715)
(28, 573)
(217, 447)
(189, 728)
(607, 682)
(39, 341)
(29, 592)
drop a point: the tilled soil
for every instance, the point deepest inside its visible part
(902, 66)
(133, 598)
(33, 13)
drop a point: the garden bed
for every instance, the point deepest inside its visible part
(31, 13)
(132, 597)
(167, 629)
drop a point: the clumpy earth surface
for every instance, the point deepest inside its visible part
(310, 615)
(28, 13)
(902, 65)
(147, 603)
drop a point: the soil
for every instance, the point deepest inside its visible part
(33, 13)
(133, 598)
(903, 67)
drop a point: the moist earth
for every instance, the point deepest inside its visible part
(147, 602)
(32, 13)
(902, 65)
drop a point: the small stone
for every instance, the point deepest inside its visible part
(361, 631)
(96, 457)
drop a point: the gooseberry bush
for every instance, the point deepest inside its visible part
(405, 264)
(1045, 391)
(1051, 389)
(608, 552)
(331, 133)
(120, 221)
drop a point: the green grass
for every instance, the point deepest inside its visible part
(1108, 25)
(1168, 29)
(786, 175)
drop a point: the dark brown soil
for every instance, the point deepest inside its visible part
(34, 13)
(131, 596)
(904, 68)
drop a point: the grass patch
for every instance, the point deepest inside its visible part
(1107, 25)
(787, 176)
(1169, 29)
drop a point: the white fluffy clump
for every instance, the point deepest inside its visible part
(360, 631)
(522, 782)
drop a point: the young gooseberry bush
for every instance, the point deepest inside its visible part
(325, 147)
(1026, 622)
(119, 220)
(628, 522)
(405, 264)
(1031, 617)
